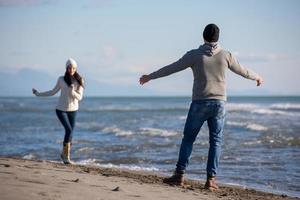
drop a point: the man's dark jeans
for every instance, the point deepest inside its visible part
(212, 111)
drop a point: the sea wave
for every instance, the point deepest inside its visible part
(91, 125)
(25, 109)
(266, 111)
(21, 107)
(239, 124)
(241, 106)
(256, 127)
(249, 126)
(96, 162)
(280, 140)
(286, 109)
(251, 143)
(157, 132)
(141, 131)
(182, 117)
(117, 131)
(133, 109)
(85, 150)
(29, 156)
(286, 106)
(100, 127)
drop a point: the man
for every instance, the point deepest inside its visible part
(209, 64)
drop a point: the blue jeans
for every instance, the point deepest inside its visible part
(212, 111)
(67, 119)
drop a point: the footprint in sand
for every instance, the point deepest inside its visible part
(44, 194)
(117, 189)
(6, 173)
(33, 181)
(76, 180)
(137, 196)
(5, 165)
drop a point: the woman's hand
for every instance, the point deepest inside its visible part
(34, 91)
(144, 79)
(259, 81)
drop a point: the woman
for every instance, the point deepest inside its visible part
(71, 86)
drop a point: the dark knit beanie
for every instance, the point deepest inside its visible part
(211, 33)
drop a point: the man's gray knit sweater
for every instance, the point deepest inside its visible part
(209, 64)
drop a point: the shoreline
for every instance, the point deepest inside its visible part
(164, 174)
(39, 179)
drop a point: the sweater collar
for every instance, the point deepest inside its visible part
(211, 48)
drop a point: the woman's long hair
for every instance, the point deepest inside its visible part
(69, 79)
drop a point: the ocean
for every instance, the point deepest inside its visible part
(261, 144)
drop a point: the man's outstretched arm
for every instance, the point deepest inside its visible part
(235, 66)
(183, 63)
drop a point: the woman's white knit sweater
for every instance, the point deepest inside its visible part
(69, 96)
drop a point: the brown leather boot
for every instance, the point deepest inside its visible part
(65, 154)
(211, 183)
(175, 179)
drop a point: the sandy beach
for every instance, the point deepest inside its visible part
(31, 179)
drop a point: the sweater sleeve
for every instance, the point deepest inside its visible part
(235, 66)
(78, 94)
(50, 92)
(183, 63)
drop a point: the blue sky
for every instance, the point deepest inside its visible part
(114, 42)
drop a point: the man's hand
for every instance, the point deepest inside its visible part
(144, 79)
(34, 91)
(259, 81)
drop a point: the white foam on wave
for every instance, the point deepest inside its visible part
(90, 161)
(285, 106)
(282, 109)
(85, 149)
(130, 167)
(183, 117)
(89, 125)
(112, 108)
(266, 111)
(239, 124)
(241, 106)
(95, 162)
(250, 143)
(256, 127)
(133, 107)
(236, 184)
(250, 126)
(157, 132)
(143, 131)
(29, 156)
(117, 131)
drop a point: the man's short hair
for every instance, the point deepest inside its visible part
(211, 33)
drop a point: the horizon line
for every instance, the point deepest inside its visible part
(150, 96)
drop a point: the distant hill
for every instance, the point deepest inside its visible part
(250, 92)
(21, 83)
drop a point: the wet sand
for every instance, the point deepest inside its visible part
(34, 180)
